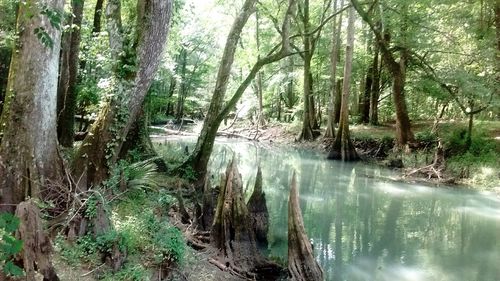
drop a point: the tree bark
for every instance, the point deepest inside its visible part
(232, 231)
(301, 263)
(181, 94)
(309, 124)
(258, 211)
(101, 147)
(343, 149)
(334, 58)
(96, 26)
(67, 94)
(375, 91)
(29, 158)
(30, 165)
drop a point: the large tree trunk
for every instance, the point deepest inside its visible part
(30, 165)
(233, 233)
(301, 263)
(343, 149)
(68, 78)
(29, 158)
(101, 147)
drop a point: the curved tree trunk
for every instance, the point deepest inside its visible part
(30, 165)
(343, 149)
(301, 263)
(201, 154)
(198, 160)
(101, 147)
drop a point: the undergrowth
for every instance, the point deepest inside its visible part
(140, 228)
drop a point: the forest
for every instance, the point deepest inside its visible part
(249, 140)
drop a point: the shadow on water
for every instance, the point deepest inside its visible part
(366, 228)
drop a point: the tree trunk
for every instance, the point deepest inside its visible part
(29, 158)
(364, 106)
(96, 26)
(201, 154)
(375, 91)
(343, 149)
(290, 94)
(334, 58)
(338, 101)
(5, 55)
(30, 165)
(404, 135)
(301, 263)
(68, 79)
(258, 212)
(37, 248)
(101, 147)
(232, 231)
(181, 94)
(309, 124)
(261, 119)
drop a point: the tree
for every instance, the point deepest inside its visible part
(397, 68)
(310, 37)
(198, 160)
(133, 72)
(30, 165)
(66, 102)
(335, 55)
(343, 148)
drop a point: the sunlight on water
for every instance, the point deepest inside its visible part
(366, 226)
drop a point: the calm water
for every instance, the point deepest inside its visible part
(365, 226)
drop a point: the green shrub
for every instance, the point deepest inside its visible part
(9, 245)
(130, 272)
(426, 137)
(169, 244)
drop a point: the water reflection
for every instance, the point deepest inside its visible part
(367, 228)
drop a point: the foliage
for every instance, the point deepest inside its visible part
(9, 245)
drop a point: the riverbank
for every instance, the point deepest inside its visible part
(477, 167)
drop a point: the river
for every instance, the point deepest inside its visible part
(366, 226)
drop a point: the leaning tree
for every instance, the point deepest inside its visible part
(218, 110)
(133, 71)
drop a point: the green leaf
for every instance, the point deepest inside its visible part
(11, 269)
(9, 222)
